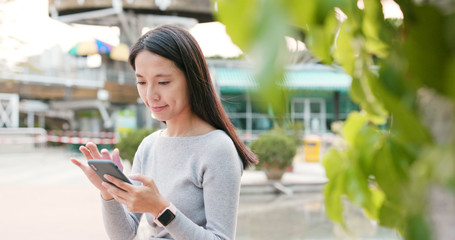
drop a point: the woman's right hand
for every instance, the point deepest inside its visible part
(90, 151)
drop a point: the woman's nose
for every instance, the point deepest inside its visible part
(152, 94)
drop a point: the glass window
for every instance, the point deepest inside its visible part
(262, 123)
(299, 107)
(315, 107)
(239, 123)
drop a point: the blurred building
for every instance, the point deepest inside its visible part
(58, 90)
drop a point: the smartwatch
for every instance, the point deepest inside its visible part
(166, 216)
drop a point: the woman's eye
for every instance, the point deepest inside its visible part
(163, 83)
(140, 83)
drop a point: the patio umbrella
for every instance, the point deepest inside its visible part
(91, 47)
(120, 52)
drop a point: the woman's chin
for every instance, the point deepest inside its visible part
(157, 117)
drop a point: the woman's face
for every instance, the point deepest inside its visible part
(161, 86)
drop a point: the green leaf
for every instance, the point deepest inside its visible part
(240, 18)
(259, 27)
(357, 186)
(417, 228)
(391, 215)
(375, 204)
(326, 8)
(427, 63)
(367, 143)
(319, 43)
(302, 13)
(371, 26)
(386, 175)
(352, 126)
(333, 192)
(344, 52)
(391, 75)
(450, 76)
(392, 166)
(333, 162)
(405, 119)
(362, 93)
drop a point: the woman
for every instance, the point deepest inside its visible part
(187, 176)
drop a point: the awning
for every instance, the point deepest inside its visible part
(239, 80)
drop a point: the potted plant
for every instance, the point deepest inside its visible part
(275, 152)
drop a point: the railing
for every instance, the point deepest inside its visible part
(21, 139)
(73, 77)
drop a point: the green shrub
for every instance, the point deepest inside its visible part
(274, 149)
(128, 144)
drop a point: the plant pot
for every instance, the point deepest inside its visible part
(274, 173)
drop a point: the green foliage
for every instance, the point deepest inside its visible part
(128, 144)
(260, 33)
(393, 65)
(274, 149)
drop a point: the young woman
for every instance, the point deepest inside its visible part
(187, 176)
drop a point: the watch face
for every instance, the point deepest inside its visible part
(166, 217)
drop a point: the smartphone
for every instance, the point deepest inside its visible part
(102, 167)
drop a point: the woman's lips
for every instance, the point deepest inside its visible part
(158, 109)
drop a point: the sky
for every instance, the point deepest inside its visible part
(28, 22)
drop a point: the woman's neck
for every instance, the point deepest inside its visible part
(191, 125)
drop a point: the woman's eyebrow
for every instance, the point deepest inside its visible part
(156, 75)
(163, 75)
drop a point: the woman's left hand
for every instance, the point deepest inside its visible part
(139, 199)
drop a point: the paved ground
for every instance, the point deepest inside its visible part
(44, 196)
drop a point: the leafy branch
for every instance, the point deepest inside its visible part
(395, 155)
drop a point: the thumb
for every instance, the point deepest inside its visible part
(146, 181)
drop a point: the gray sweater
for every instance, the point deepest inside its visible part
(200, 175)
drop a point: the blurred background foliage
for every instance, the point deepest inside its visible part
(398, 154)
(129, 143)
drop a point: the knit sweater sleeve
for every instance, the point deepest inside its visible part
(119, 222)
(220, 171)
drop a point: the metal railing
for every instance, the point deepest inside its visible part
(23, 136)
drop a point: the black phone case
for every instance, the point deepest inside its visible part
(102, 167)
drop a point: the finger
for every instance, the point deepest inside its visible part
(118, 183)
(116, 159)
(119, 194)
(146, 181)
(115, 192)
(94, 150)
(106, 154)
(76, 162)
(86, 152)
(82, 166)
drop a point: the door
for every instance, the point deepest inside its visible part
(310, 111)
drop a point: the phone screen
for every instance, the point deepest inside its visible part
(102, 167)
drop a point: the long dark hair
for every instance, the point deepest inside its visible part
(179, 46)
